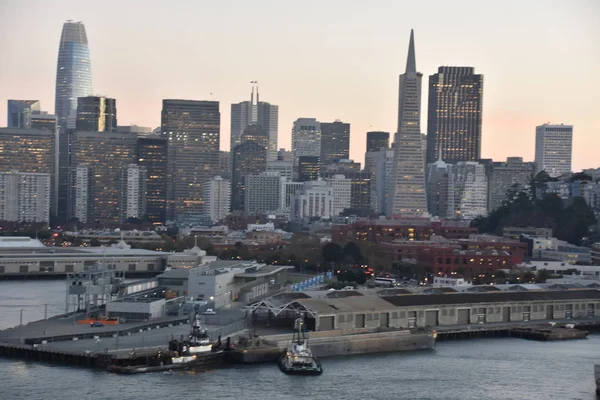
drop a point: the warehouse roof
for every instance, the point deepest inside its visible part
(491, 297)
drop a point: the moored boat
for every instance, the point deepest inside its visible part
(298, 358)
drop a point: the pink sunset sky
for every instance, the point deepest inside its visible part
(325, 59)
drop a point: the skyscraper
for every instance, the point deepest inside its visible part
(19, 113)
(308, 168)
(152, 155)
(30, 151)
(255, 112)
(467, 197)
(192, 129)
(454, 115)
(377, 139)
(306, 138)
(73, 80)
(335, 142)
(105, 154)
(96, 114)
(249, 157)
(439, 175)
(408, 175)
(133, 192)
(553, 149)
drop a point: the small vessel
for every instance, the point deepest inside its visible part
(195, 352)
(298, 359)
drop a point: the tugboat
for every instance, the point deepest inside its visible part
(195, 352)
(298, 359)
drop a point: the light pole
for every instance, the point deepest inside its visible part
(46, 311)
(21, 318)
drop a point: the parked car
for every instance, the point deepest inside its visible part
(96, 324)
(210, 311)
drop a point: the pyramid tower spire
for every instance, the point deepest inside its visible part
(411, 63)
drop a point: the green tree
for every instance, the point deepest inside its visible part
(352, 251)
(332, 253)
(542, 275)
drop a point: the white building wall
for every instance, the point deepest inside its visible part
(553, 149)
(24, 197)
(341, 189)
(218, 197)
(82, 192)
(314, 201)
(470, 190)
(264, 192)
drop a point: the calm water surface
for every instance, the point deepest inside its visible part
(474, 369)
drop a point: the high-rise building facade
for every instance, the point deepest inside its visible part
(335, 142)
(225, 164)
(192, 131)
(439, 176)
(255, 112)
(152, 155)
(454, 115)
(308, 168)
(408, 176)
(20, 111)
(284, 168)
(105, 153)
(380, 179)
(291, 188)
(341, 190)
(81, 192)
(553, 149)
(73, 80)
(31, 151)
(264, 193)
(468, 191)
(96, 114)
(306, 138)
(513, 174)
(377, 139)
(24, 197)
(133, 192)
(218, 196)
(249, 157)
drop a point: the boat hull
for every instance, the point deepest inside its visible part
(208, 360)
(299, 371)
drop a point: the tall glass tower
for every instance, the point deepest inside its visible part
(73, 80)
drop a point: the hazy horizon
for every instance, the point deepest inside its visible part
(328, 60)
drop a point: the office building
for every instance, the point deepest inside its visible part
(454, 115)
(249, 157)
(468, 191)
(73, 80)
(284, 168)
(408, 175)
(31, 151)
(133, 192)
(553, 149)
(192, 130)
(315, 200)
(20, 111)
(286, 155)
(218, 196)
(341, 190)
(380, 179)
(152, 155)
(225, 164)
(96, 114)
(255, 112)
(306, 138)
(439, 175)
(335, 142)
(81, 193)
(24, 197)
(264, 193)
(105, 154)
(43, 121)
(376, 140)
(360, 186)
(513, 174)
(308, 168)
(291, 188)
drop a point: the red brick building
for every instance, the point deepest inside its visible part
(412, 229)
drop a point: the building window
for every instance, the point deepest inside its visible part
(23, 269)
(69, 268)
(131, 267)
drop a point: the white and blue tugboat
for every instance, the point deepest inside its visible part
(298, 359)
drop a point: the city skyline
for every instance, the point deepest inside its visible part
(515, 64)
